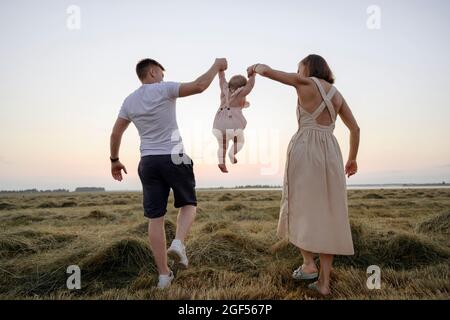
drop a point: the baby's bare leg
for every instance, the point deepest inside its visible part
(238, 144)
(222, 150)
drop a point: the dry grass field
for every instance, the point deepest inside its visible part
(233, 249)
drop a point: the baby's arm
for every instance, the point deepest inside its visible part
(248, 87)
(222, 80)
(223, 86)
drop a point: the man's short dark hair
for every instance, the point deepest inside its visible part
(144, 65)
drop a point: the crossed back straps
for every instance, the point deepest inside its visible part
(326, 101)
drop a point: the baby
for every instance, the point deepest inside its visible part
(229, 122)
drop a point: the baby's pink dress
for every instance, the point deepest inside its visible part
(229, 115)
(229, 122)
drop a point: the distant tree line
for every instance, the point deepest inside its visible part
(425, 184)
(89, 189)
(80, 189)
(33, 191)
(257, 186)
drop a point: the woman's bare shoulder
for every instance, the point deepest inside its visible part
(306, 89)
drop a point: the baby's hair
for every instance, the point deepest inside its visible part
(236, 82)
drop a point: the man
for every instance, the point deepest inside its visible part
(164, 165)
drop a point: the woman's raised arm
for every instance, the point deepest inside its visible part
(291, 79)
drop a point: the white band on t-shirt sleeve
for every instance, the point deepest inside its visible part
(172, 89)
(123, 113)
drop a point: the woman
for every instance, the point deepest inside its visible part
(314, 212)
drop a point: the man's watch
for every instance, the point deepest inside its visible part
(113, 160)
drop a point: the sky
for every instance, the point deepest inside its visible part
(64, 75)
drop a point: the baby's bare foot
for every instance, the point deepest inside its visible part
(232, 158)
(223, 168)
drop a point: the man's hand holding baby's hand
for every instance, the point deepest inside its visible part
(221, 64)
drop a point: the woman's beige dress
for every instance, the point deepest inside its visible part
(314, 212)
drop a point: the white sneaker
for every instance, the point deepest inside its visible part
(165, 280)
(177, 252)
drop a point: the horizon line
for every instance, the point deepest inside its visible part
(257, 186)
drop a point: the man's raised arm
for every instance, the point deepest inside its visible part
(203, 82)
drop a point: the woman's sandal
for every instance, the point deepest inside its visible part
(299, 274)
(313, 286)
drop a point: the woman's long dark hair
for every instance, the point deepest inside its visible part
(318, 67)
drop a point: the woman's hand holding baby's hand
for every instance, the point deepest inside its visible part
(257, 68)
(251, 71)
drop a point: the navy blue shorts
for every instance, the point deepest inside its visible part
(159, 174)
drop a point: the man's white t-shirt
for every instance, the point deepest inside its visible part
(152, 109)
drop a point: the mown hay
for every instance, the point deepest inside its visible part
(372, 196)
(214, 226)
(48, 204)
(226, 249)
(6, 206)
(225, 197)
(68, 204)
(30, 241)
(396, 250)
(235, 207)
(439, 223)
(11, 246)
(117, 263)
(99, 214)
